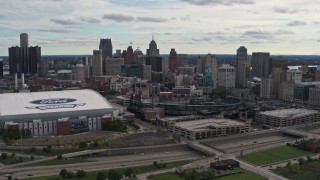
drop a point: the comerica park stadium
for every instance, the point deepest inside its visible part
(54, 112)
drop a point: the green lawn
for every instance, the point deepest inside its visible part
(247, 175)
(137, 170)
(59, 162)
(14, 160)
(312, 127)
(309, 170)
(165, 176)
(274, 155)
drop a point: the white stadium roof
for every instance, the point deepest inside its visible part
(50, 105)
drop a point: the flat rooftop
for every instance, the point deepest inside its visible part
(284, 113)
(207, 124)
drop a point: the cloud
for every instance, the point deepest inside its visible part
(286, 10)
(316, 22)
(71, 40)
(296, 23)
(90, 20)
(318, 40)
(119, 17)
(219, 2)
(65, 21)
(128, 18)
(59, 31)
(151, 19)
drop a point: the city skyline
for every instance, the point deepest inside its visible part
(189, 26)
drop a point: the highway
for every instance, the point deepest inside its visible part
(104, 163)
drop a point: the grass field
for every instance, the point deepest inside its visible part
(274, 155)
(247, 175)
(14, 160)
(59, 162)
(137, 170)
(312, 127)
(309, 170)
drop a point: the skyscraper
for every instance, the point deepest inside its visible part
(24, 40)
(24, 59)
(97, 63)
(241, 62)
(129, 59)
(261, 64)
(137, 55)
(1, 68)
(227, 76)
(153, 51)
(106, 47)
(211, 71)
(173, 60)
(279, 62)
(34, 59)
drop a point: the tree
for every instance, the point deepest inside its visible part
(13, 155)
(63, 173)
(96, 144)
(114, 175)
(83, 145)
(101, 176)
(294, 168)
(81, 174)
(59, 156)
(32, 157)
(70, 174)
(155, 164)
(4, 155)
(128, 172)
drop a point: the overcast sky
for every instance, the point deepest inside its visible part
(189, 26)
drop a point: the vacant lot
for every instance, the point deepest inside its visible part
(309, 170)
(274, 155)
(247, 175)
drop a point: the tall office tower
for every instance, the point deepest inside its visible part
(286, 91)
(14, 56)
(130, 57)
(182, 60)
(294, 75)
(97, 63)
(43, 68)
(1, 68)
(137, 55)
(266, 89)
(211, 71)
(124, 56)
(173, 60)
(278, 76)
(261, 64)
(106, 47)
(279, 62)
(201, 63)
(24, 59)
(24, 40)
(79, 72)
(153, 51)
(314, 96)
(113, 66)
(242, 68)
(34, 59)
(118, 53)
(227, 76)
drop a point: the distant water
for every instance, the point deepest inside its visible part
(297, 67)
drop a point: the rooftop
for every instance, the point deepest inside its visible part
(206, 124)
(289, 112)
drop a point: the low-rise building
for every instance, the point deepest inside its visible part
(208, 128)
(287, 117)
